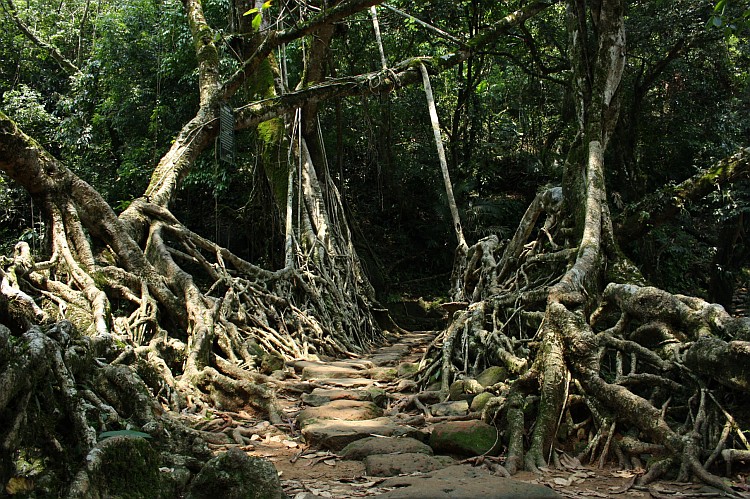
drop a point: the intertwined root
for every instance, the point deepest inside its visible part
(643, 372)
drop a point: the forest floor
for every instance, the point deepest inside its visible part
(332, 404)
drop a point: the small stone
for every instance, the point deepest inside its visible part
(407, 385)
(457, 408)
(466, 438)
(271, 362)
(360, 449)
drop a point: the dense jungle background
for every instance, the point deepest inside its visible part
(194, 192)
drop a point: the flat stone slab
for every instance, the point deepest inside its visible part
(321, 396)
(348, 382)
(398, 348)
(383, 373)
(401, 464)
(463, 482)
(326, 371)
(371, 446)
(299, 365)
(386, 359)
(417, 339)
(335, 434)
(353, 363)
(348, 410)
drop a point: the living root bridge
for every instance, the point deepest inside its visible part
(616, 375)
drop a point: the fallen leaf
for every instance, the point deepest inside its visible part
(570, 462)
(624, 473)
(330, 462)
(624, 487)
(592, 493)
(364, 485)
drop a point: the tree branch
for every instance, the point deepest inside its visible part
(63, 61)
(661, 206)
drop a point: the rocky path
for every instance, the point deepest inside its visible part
(359, 428)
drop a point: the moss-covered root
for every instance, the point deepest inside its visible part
(554, 388)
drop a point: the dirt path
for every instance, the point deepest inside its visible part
(371, 401)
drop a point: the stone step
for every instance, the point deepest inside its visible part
(463, 482)
(348, 382)
(321, 396)
(335, 435)
(347, 410)
(402, 464)
(371, 446)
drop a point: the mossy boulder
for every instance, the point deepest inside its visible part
(407, 369)
(456, 390)
(127, 466)
(235, 475)
(464, 389)
(464, 438)
(492, 375)
(478, 402)
(271, 362)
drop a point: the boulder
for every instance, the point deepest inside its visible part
(124, 466)
(235, 475)
(492, 375)
(465, 438)
(478, 402)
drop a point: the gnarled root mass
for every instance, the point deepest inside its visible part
(169, 321)
(63, 401)
(631, 372)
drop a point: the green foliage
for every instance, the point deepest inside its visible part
(26, 107)
(733, 17)
(258, 18)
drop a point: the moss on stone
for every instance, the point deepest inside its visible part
(129, 469)
(235, 475)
